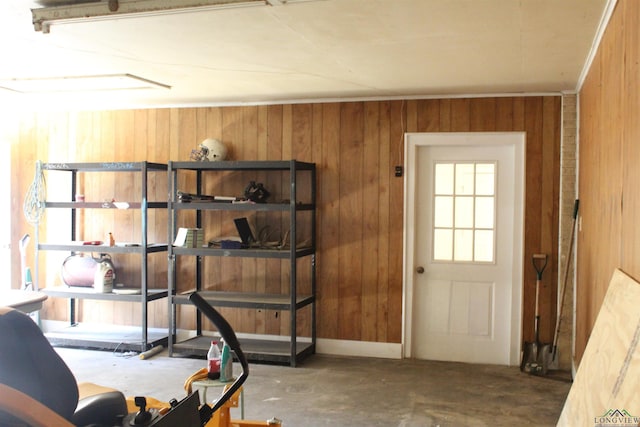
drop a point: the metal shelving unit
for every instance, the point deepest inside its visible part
(87, 335)
(284, 349)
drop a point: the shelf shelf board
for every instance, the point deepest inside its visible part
(282, 165)
(106, 337)
(252, 207)
(247, 300)
(257, 350)
(118, 248)
(89, 293)
(105, 166)
(105, 205)
(243, 253)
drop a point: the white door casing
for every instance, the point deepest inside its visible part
(463, 311)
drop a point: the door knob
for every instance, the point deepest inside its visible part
(420, 270)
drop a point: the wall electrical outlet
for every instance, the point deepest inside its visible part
(398, 171)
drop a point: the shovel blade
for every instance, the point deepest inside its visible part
(536, 358)
(529, 356)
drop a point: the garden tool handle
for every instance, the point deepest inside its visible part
(537, 309)
(536, 259)
(536, 323)
(563, 291)
(539, 269)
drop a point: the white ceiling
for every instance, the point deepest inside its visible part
(324, 49)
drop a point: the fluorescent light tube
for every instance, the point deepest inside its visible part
(94, 83)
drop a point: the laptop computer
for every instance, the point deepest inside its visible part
(244, 230)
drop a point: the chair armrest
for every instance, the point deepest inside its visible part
(29, 410)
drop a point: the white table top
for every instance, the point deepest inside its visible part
(26, 301)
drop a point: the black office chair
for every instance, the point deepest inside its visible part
(38, 389)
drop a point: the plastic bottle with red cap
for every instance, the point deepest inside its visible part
(213, 359)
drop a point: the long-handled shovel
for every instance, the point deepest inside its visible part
(535, 356)
(563, 291)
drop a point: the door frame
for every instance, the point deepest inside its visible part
(412, 142)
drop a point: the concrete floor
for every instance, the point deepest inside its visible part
(340, 391)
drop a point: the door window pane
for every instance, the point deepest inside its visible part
(444, 183)
(443, 215)
(463, 245)
(464, 178)
(484, 212)
(485, 179)
(443, 244)
(464, 212)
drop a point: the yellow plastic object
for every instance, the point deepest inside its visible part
(199, 375)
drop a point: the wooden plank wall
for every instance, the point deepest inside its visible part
(356, 146)
(609, 237)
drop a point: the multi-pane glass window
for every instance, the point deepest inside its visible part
(464, 212)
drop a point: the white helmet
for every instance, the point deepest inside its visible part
(210, 150)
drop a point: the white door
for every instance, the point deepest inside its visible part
(465, 275)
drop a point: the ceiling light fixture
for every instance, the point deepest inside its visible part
(94, 83)
(44, 17)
